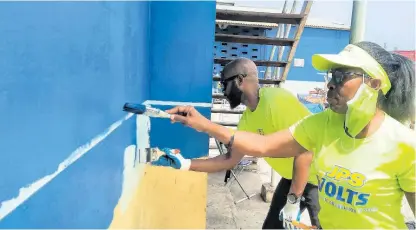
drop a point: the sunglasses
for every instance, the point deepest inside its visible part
(340, 77)
(224, 82)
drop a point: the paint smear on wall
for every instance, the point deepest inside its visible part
(142, 136)
(132, 173)
(134, 167)
(26, 192)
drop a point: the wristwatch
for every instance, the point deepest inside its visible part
(293, 199)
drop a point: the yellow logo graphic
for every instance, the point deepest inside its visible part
(354, 179)
(342, 189)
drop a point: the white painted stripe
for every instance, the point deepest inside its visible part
(176, 103)
(26, 192)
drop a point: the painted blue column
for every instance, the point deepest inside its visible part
(66, 69)
(181, 63)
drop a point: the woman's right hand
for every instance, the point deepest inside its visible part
(190, 117)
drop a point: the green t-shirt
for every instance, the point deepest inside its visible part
(361, 181)
(278, 109)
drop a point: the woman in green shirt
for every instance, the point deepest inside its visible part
(363, 155)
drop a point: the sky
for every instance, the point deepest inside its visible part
(388, 23)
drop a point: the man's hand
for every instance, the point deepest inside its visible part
(172, 158)
(189, 116)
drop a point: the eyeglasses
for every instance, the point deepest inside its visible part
(341, 77)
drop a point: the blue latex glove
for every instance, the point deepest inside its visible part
(172, 158)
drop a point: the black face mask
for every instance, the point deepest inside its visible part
(233, 94)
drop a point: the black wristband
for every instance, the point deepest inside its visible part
(230, 144)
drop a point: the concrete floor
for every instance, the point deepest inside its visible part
(222, 213)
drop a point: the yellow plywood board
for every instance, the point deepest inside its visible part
(164, 198)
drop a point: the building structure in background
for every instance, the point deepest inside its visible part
(319, 36)
(411, 54)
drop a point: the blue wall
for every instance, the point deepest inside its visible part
(312, 41)
(66, 68)
(182, 37)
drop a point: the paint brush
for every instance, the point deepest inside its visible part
(145, 110)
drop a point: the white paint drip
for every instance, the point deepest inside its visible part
(26, 192)
(176, 103)
(142, 136)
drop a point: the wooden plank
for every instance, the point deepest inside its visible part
(250, 16)
(305, 11)
(253, 40)
(224, 61)
(164, 198)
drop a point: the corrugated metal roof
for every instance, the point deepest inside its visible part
(411, 54)
(310, 22)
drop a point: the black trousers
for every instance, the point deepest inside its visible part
(311, 202)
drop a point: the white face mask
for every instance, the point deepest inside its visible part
(361, 109)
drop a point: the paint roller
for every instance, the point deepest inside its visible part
(147, 110)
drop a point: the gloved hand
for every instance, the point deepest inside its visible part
(172, 158)
(289, 213)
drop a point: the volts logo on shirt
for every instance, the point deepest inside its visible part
(331, 185)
